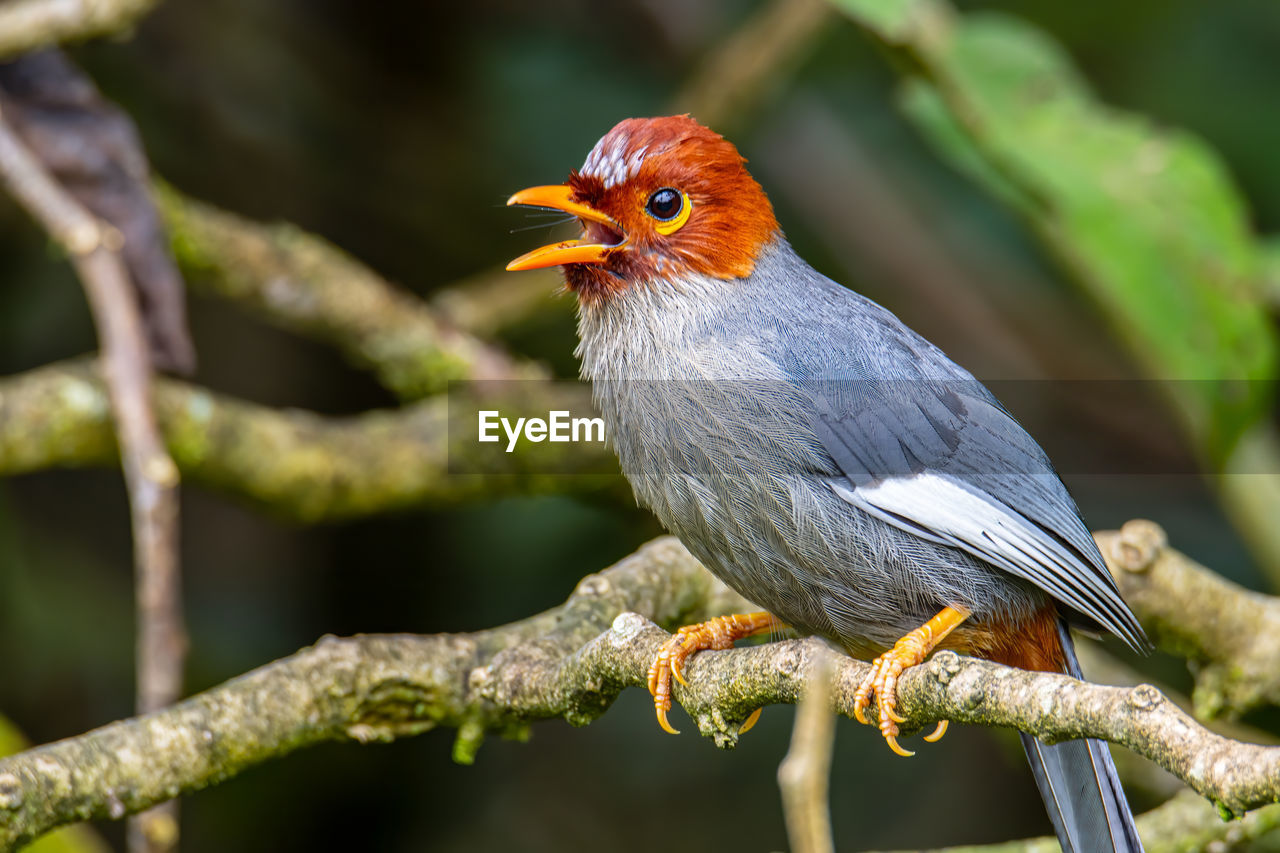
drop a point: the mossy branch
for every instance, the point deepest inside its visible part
(303, 283)
(29, 24)
(1229, 635)
(296, 463)
(572, 662)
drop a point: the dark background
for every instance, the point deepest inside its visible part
(397, 130)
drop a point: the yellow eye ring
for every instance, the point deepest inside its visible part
(659, 205)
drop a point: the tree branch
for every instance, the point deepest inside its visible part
(305, 284)
(571, 662)
(367, 688)
(804, 775)
(490, 302)
(750, 66)
(297, 463)
(1229, 635)
(754, 61)
(150, 475)
(28, 24)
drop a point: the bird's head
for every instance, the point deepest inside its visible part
(659, 199)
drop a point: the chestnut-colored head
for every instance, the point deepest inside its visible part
(659, 198)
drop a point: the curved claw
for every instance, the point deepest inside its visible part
(751, 721)
(675, 671)
(862, 699)
(660, 687)
(666, 726)
(718, 633)
(882, 681)
(938, 732)
(893, 744)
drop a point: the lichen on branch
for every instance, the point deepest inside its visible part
(29, 24)
(303, 283)
(296, 463)
(572, 662)
(1229, 635)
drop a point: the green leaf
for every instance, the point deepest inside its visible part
(1145, 218)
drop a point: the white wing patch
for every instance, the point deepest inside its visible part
(945, 511)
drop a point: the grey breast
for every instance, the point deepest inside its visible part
(714, 415)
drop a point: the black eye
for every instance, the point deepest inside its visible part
(665, 204)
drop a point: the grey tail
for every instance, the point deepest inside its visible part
(1080, 787)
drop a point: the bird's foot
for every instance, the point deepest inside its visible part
(718, 633)
(882, 682)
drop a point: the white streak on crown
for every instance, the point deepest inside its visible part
(610, 162)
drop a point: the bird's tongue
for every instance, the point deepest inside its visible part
(598, 232)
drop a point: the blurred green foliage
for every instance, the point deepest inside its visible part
(1147, 219)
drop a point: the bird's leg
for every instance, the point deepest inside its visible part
(883, 680)
(718, 633)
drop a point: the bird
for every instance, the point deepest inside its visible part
(817, 455)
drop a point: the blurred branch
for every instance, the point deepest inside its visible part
(296, 463)
(305, 284)
(488, 302)
(1248, 485)
(1271, 270)
(29, 24)
(1229, 635)
(571, 662)
(804, 775)
(753, 62)
(90, 147)
(149, 473)
(751, 65)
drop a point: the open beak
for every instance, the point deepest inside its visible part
(570, 251)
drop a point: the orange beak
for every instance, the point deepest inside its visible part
(570, 251)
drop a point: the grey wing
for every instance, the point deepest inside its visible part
(944, 461)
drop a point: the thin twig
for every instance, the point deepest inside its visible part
(805, 773)
(150, 475)
(754, 61)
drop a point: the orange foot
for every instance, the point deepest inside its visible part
(885, 670)
(718, 633)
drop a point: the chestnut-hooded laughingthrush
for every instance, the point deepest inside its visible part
(820, 457)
